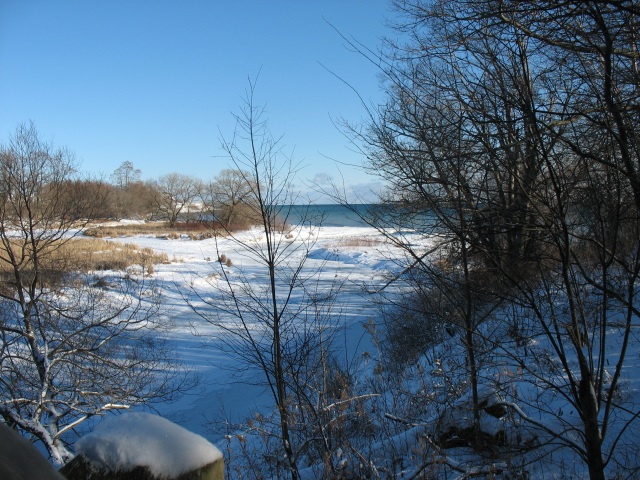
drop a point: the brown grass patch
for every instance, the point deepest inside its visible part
(195, 231)
(95, 254)
(129, 230)
(360, 242)
(85, 255)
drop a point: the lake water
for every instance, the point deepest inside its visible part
(327, 215)
(352, 216)
(334, 215)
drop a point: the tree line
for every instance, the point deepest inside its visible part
(227, 199)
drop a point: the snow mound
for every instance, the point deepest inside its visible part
(140, 439)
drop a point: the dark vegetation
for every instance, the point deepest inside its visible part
(515, 126)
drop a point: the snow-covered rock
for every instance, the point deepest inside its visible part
(149, 445)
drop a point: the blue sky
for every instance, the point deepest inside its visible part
(155, 82)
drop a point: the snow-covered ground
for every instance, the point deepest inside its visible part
(359, 260)
(355, 256)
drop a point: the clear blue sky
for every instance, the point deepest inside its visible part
(155, 81)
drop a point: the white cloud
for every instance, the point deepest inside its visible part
(322, 179)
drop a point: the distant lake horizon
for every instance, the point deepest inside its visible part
(328, 215)
(352, 215)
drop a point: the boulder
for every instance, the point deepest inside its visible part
(141, 446)
(80, 468)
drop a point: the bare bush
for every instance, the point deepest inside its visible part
(69, 351)
(279, 321)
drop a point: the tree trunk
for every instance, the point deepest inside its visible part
(593, 436)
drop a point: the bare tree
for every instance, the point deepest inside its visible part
(278, 321)
(230, 198)
(125, 175)
(512, 127)
(455, 143)
(130, 196)
(590, 202)
(596, 42)
(174, 193)
(69, 349)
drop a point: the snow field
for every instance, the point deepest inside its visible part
(222, 388)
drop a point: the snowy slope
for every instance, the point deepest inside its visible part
(361, 261)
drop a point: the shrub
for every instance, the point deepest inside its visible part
(415, 323)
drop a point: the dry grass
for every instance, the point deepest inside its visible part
(96, 254)
(195, 231)
(85, 255)
(127, 230)
(361, 242)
